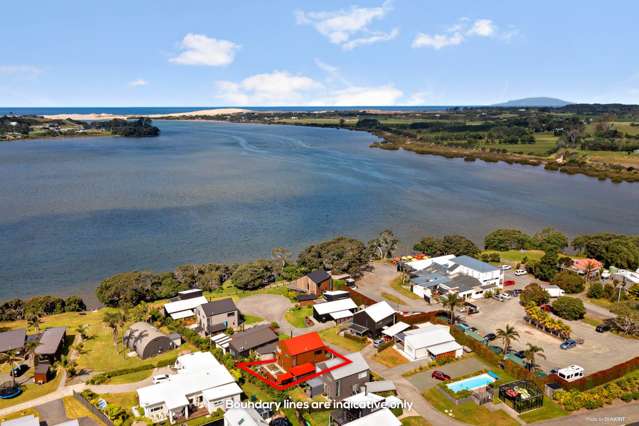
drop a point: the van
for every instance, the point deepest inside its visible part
(571, 373)
(160, 378)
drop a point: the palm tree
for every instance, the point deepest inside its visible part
(531, 352)
(34, 321)
(507, 335)
(10, 357)
(112, 320)
(451, 302)
(82, 330)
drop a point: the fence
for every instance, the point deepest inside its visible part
(360, 299)
(99, 414)
(419, 318)
(600, 377)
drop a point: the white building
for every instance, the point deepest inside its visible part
(243, 417)
(554, 291)
(428, 341)
(421, 264)
(486, 273)
(184, 308)
(201, 383)
(338, 310)
(571, 373)
(381, 417)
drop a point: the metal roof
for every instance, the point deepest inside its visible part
(217, 307)
(474, 264)
(50, 340)
(252, 338)
(318, 276)
(357, 366)
(12, 339)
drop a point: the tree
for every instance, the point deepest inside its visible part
(451, 302)
(531, 352)
(570, 308)
(250, 276)
(547, 266)
(569, 281)
(533, 294)
(83, 331)
(74, 304)
(10, 357)
(34, 321)
(506, 239)
(341, 255)
(596, 290)
(550, 239)
(627, 318)
(507, 336)
(383, 246)
(617, 250)
(281, 255)
(112, 320)
(448, 244)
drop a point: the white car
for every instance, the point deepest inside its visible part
(520, 272)
(505, 267)
(160, 378)
(605, 274)
(505, 296)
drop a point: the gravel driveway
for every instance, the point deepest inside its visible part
(271, 307)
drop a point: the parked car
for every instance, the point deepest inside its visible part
(377, 343)
(160, 378)
(440, 375)
(568, 344)
(490, 337)
(505, 267)
(19, 370)
(605, 274)
(509, 283)
(505, 296)
(602, 328)
(516, 292)
(520, 354)
(554, 370)
(499, 297)
(520, 272)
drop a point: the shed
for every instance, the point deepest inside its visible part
(146, 340)
(41, 373)
(315, 387)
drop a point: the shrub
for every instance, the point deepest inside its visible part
(570, 308)
(535, 294)
(596, 290)
(569, 281)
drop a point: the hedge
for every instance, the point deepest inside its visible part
(359, 339)
(103, 377)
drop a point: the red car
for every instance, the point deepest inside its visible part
(509, 282)
(440, 375)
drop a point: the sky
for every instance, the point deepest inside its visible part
(334, 53)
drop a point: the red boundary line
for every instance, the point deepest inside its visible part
(245, 366)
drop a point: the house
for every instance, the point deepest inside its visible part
(331, 296)
(146, 340)
(261, 339)
(317, 282)
(425, 282)
(339, 310)
(465, 287)
(216, 316)
(486, 273)
(13, 340)
(29, 420)
(625, 276)
(185, 308)
(392, 331)
(592, 267)
(372, 320)
(344, 381)
(201, 386)
(301, 350)
(50, 345)
(243, 417)
(430, 341)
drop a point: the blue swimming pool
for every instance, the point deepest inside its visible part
(471, 383)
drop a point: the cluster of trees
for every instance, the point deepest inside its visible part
(511, 135)
(141, 127)
(570, 308)
(569, 281)
(448, 244)
(18, 309)
(514, 239)
(617, 250)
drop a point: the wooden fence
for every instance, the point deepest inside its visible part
(99, 414)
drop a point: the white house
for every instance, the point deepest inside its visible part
(432, 341)
(201, 383)
(338, 310)
(184, 308)
(243, 417)
(381, 417)
(486, 273)
(626, 276)
(421, 264)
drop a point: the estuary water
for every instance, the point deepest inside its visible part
(75, 211)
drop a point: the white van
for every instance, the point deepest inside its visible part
(571, 373)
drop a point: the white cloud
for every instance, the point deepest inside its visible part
(349, 28)
(356, 96)
(138, 82)
(199, 49)
(275, 88)
(461, 32)
(27, 71)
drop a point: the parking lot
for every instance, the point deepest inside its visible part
(599, 350)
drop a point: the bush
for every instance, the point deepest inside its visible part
(533, 294)
(569, 281)
(570, 308)
(596, 290)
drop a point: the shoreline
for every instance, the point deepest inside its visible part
(178, 115)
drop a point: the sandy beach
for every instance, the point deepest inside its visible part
(203, 112)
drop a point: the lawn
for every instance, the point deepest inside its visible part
(74, 410)
(251, 389)
(392, 298)
(390, 357)
(31, 391)
(468, 412)
(318, 418)
(251, 319)
(415, 421)
(125, 400)
(22, 413)
(134, 377)
(544, 142)
(295, 316)
(550, 410)
(513, 257)
(331, 336)
(591, 321)
(396, 285)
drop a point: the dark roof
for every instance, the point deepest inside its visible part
(305, 297)
(463, 283)
(253, 338)
(319, 276)
(12, 339)
(50, 340)
(217, 327)
(217, 307)
(42, 368)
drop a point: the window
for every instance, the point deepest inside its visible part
(362, 375)
(230, 314)
(319, 352)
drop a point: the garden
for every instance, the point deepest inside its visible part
(626, 389)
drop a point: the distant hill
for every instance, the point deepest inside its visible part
(534, 102)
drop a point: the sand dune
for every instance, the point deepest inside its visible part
(95, 116)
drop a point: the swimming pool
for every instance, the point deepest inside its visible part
(471, 383)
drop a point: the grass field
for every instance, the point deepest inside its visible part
(392, 298)
(512, 257)
(396, 285)
(550, 410)
(74, 410)
(296, 316)
(124, 400)
(390, 358)
(251, 319)
(21, 413)
(330, 335)
(32, 391)
(544, 142)
(468, 412)
(134, 377)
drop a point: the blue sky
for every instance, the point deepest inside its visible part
(401, 52)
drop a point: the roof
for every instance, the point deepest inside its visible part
(182, 314)
(463, 283)
(380, 386)
(183, 305)
(396, 328)
(302, 369)
(197, 361)
(224, 391)
(252, 338)
(301, 344)
(445, 347)
(341, 315)
(305, 297)
(29, 420)
(429, 279)
(50, 341)
(243, 417)
(472, 263)
(583, 264)
(335, 293)
(217, 307)
(190, 291)
(420, 264)
(357, 366)
(12, 339)
(379, 311)
(140, 334)
(334, 306)
(42, 368)
(429, 336)
(318, 276)
(382, 417)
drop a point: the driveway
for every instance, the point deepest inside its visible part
(52, 412)
(598, 352)
(423, 381)
(271, 307)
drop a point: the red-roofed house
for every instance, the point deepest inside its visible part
(299, 350)
(586, 266)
